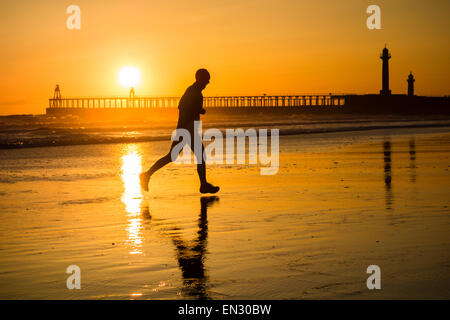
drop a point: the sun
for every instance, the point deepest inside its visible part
(129, 76)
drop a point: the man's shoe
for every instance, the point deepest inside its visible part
(144, 178)
(209, 188)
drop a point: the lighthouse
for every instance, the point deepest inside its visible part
(410, 81)
(385, 56)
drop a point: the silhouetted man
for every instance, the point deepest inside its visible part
(190, 106)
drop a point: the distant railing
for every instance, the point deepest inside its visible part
(216, 102)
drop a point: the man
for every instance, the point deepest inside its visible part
(190, 108)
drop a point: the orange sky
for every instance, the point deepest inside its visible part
(249, 46)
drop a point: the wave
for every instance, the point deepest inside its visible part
(85, 201)
(11, 178)
(48, 136)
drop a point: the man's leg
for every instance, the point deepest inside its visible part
(201, 168)
(205, 187)
(144, 177)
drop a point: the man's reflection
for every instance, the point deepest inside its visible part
(191, 254)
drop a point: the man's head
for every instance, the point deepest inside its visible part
(202, 77)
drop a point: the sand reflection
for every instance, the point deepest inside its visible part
(412, 160)
(132, 197)
(388, 173)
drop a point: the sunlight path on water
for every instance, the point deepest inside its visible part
(132, 196)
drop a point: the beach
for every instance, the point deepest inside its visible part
(340, 202)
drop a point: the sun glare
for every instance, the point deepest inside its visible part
(132, 197)
(129, 76)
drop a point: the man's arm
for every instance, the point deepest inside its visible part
(200, 105)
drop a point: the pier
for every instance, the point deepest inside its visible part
(136, 107)
(208, 102)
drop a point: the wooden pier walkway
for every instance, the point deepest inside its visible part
(208, 102)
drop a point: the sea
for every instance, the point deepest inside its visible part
(24, 131)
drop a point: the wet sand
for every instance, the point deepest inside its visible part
(339, 203)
